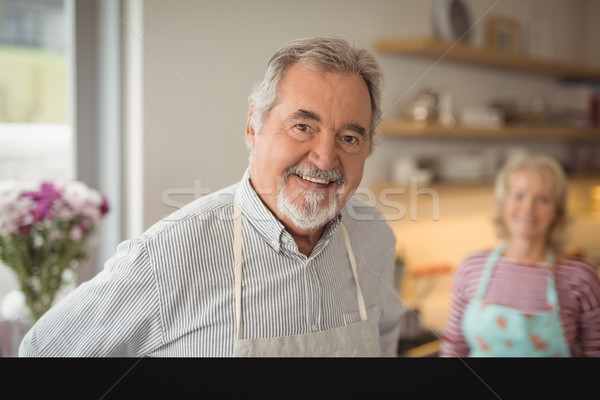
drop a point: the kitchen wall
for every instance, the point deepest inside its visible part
(201, 58)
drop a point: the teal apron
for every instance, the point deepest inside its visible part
(493, 330)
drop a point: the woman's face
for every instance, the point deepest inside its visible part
(529, 206)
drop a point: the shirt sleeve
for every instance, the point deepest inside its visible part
(589, 320)
(115, 314)
(453, 342)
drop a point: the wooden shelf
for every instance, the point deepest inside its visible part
(476, 185)
(454, 185)
(438, 50)
(407, 129)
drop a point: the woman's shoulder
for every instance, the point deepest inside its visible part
(581, 266)
(473, 262)
(476, 258)
(579, 276)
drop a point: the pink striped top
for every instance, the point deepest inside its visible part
(523, 287)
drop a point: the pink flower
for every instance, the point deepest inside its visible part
(25, 229)
(104, 207)
(76, 233)
(44, 200)
(65, 203)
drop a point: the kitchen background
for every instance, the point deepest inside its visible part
(182, 71)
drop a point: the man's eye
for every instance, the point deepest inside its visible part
(303, 127)
(349, 139)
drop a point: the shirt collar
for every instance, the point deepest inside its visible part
(257, 213)
(263, 220)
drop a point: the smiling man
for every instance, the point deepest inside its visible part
(284, 263)
(309, 156)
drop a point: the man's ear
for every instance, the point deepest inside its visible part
(250, 133)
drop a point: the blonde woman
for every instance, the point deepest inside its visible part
(526, 298)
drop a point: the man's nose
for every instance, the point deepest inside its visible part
(324, 153)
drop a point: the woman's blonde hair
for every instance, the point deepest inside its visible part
(551, 171)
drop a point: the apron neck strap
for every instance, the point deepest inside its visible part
(488, 269)
(361, 300)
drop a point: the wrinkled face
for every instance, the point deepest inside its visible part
(529, 206)
(309, 157)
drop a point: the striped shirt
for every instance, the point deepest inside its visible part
(170, 292)
(524, 287)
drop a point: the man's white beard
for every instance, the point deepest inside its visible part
(311, 209)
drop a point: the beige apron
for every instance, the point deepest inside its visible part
(359, 339)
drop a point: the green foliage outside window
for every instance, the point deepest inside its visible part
(33, 86)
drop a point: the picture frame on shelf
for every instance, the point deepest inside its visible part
(503, 34)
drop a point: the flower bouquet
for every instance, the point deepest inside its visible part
(44, 234)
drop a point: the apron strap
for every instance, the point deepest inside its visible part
(551, 295)
(361, 300)
(489, 267)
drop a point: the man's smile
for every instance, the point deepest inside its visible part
(314, 179)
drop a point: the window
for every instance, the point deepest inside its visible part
(35, 137)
